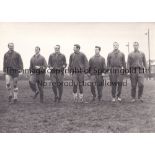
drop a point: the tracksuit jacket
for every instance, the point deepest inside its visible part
(97, 65)
(78, 61)
(136, 59)
(116, 59)
(12, 63)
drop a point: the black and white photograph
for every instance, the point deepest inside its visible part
(77, 77)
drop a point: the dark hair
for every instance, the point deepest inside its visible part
(10, 43)
(98, 47)
(115, 43)
(136, 43)
(58, 45)
(38, 47)
(77, 46)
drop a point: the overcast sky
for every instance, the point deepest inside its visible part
(26, 36)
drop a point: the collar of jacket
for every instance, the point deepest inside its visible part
(136, 51)
(97, 55)
(57, 53)
(37, 55)
(116, 51)
(10, 52)
(76, 52)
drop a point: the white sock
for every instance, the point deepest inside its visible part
(15, 93)
(75, 96)
(81, 96)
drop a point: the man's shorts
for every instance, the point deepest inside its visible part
(9, 78)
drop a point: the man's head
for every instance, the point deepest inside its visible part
(37, 50)
(57, 48)
(136, 46)
(11, 46)
(76, 48)
(115, 46)
(97, 50)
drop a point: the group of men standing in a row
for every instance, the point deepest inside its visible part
(78, 64)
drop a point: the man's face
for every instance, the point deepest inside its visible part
(76, 49)
(97, 51)
(11, 47)
(37, 50)
(115, 46)
(135, 46)
(57, 49)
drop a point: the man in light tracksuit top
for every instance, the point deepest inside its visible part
(78, 66)
(136, 65)
(97, 68)
(115, 63)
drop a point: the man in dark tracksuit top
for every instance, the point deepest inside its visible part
(116, 62)
(12, 66)
(57, 64)
(97, 68)
(78, 66)
(38, 67)
(136, 65)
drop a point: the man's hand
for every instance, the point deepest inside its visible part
(88, 75)
(37, 67)
(64, 66)
(103, 74)
(50, 67)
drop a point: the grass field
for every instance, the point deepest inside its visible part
(31, 116)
